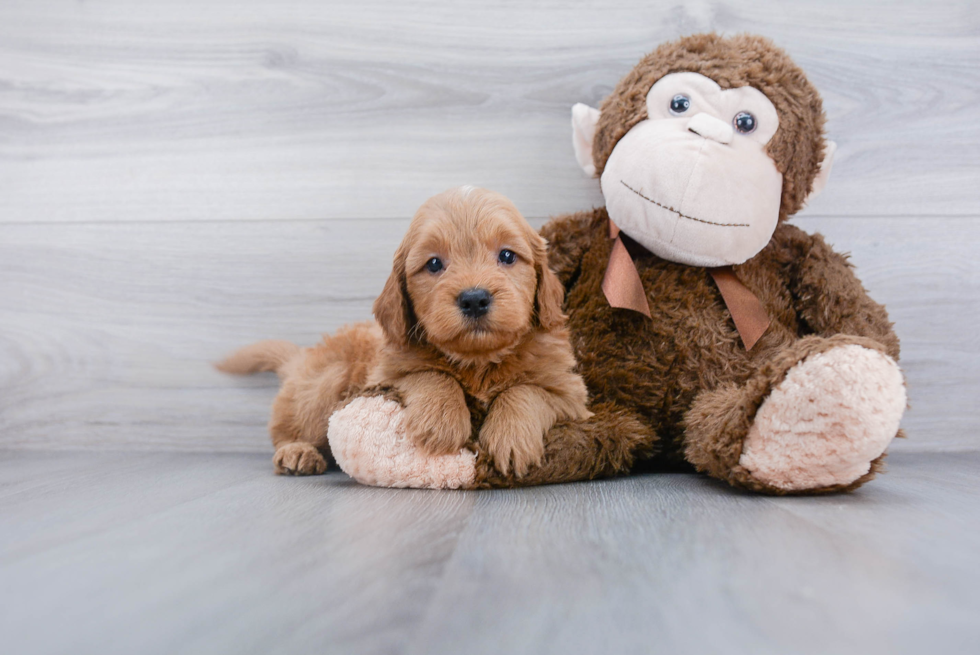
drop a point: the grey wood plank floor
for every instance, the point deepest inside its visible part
(177, 552)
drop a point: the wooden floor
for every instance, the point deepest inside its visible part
(181, 177)
(184, 553)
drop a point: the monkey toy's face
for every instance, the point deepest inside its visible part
(693, 182)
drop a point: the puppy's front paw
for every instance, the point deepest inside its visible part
(298, 458)
(512, 441)
(438, 428)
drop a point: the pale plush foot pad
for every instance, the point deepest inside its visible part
(368, 440)
(826, 421)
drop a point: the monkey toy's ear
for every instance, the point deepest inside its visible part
(584, 120)
(820, 181)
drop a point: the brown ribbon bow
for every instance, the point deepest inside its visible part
(624, 289)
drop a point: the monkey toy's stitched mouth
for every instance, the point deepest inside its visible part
(671, 209)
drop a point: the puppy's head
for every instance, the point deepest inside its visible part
(470, 277)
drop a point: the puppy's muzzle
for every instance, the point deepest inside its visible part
(474, 303)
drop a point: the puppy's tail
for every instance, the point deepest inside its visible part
(258, 357)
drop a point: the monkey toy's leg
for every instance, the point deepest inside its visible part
(815, 418)
(368, 439)
(605, 445)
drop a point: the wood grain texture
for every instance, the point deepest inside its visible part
(212, 548)
(108, 330)
(179, 178)
(245, 109)
(166, 553)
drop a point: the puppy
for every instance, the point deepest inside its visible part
(469, 318)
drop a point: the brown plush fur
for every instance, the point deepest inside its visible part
(608, 443)
(513, 366)
(684, 375)
(680, 388)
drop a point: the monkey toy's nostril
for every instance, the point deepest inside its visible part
(709, 127)
(474, 303)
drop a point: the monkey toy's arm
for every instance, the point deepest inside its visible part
(568, 238)
(831, 300)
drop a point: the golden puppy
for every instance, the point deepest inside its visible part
(470, 316)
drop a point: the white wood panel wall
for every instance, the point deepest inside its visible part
(178, 178)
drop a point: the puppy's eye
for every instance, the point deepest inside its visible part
(434, 265)
(679, 104)
(507, 257)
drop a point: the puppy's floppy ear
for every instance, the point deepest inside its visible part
(550, 294)
(393, 308)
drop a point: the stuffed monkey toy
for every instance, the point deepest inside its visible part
(711, 333)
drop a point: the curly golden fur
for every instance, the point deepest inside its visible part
(511, 365)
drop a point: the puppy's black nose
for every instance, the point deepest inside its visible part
(474, 303)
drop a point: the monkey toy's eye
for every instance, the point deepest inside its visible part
(679, 104)
(434, 265)
(744, 122)
(507, 257)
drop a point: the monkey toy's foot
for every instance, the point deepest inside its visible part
(830, 417)
(826, 411)
(367, 438)
(827, 421)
